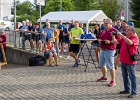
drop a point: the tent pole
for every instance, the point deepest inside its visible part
(87, 24)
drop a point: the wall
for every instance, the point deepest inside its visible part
(18, 56)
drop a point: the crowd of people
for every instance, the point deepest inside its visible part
(113, 41)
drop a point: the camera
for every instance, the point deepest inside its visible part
(114, 33)
(103, 42)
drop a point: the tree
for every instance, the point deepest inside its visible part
(135, 9)
(25, 10)
(56, 5)
(111, 8)
(82, 5)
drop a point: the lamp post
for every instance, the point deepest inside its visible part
(127, 10)
(15, 23)
(40, 13)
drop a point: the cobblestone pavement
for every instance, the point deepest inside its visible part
(58, 83)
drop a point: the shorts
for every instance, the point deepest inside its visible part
(66, 41)
(28, 37)
(47, 54)
(33, 37)
(39, 37)
(107, 58)
(96, 45)
(74, 48)
(60, 38)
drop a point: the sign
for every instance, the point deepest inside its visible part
(122, 13)
(40, 2)
(122, 18)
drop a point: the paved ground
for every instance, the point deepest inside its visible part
(19, 82)
(58, 83)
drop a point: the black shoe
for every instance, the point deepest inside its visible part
(124, 92)
(131, 95)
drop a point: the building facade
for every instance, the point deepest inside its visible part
(5, 8)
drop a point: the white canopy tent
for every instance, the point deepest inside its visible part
(81, 16)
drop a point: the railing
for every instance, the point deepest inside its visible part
(14, 39)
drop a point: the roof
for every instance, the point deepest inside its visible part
(81, 16)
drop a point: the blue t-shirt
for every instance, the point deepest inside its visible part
(102, 27)
(49, 32)
(39, 35)
(25, 27)
(71, 26)
(61, 26)
(65, 32)
(30, 28)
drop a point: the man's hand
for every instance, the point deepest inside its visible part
(119, 33)
(107, 42)
(1, 39)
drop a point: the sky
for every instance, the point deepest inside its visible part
(28, 0)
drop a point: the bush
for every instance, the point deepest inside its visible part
(138, 32)
(136, 23)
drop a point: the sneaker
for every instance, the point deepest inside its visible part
(68, 56)
(102, 79)
(31, 51)
(112, 83)
(59, 50)
(60, 56)
(76, 64)
(131, 95)
(37, 52)
(78, 60)
(124, 92)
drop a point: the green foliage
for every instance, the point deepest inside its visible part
(111, 8)
(138, 32)
(134, 7)
(55, 5)
(27, 10)
(25, 7)
(136, 23)
(82, 5)
(24, 18)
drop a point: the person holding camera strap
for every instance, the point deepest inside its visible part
(128, 66)
(107, 52)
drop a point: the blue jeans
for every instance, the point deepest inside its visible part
(128, 72)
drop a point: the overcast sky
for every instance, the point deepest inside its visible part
(26, 0)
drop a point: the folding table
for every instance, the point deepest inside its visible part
(81, 53)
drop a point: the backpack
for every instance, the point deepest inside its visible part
(37, 61)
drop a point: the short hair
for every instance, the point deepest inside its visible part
(109, 20)
(27, 20)
(76, 22)
(23, 21)
(124, 21)
(2, 31)
(133, 28)
(104, 20)
(67, 23)
(37, 24)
